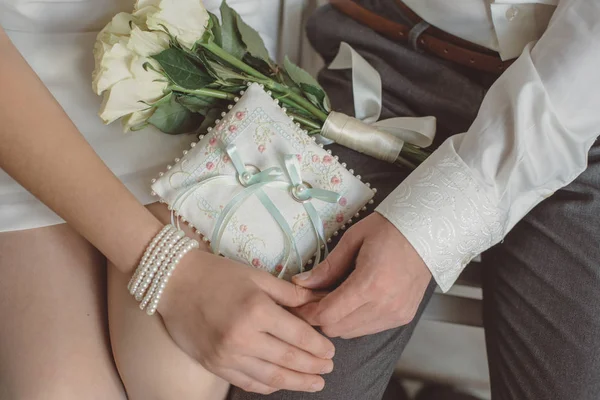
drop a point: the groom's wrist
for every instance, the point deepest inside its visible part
(444, 214)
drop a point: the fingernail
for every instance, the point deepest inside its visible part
(303, 276)
(327, 369)
(330, 354)
(317, 386)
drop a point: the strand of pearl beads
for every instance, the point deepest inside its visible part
(156, 279)
(160, 259)
(167, 272)
(133, 282)
(158, 262)
(144, 277)
(149, 257)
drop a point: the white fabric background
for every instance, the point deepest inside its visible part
(56, 38)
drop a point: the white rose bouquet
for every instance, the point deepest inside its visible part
(174, 65)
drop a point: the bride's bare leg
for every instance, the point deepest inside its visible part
(150, 363)
(53, 333)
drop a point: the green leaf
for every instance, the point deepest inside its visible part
(308, 84)
(231, 40)
(300, 76)
(225, 74)
(284, 78)
(260, 65)
(254, 43)
(181, 70)
(203, 57)
(215, 29)
(314, 94)
(173, 118)
(199, 105)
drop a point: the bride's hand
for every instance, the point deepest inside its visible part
(230, 318)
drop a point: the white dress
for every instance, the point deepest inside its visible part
(56, 37)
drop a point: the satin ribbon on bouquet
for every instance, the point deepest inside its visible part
(253, 183)
(365, 133)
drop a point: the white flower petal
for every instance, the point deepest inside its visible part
(119, 25)
(184, 19)
(136, 67)
(141, 15)
(139, 4)
(129, 96)
(113, 67)
(147, 43)
(136, 119)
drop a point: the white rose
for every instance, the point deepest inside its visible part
(131, 95)
(184, 19)
(114, 61)
(116, 31)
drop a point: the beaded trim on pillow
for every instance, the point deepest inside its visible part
(260, 190)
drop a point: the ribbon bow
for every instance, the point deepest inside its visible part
(366, 133)
(253, 183)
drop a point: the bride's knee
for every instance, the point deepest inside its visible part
(166, 390)
(57, 387)
(151, 365)
(160, 371)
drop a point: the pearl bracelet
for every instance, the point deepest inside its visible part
(159, 261)
(134, 282)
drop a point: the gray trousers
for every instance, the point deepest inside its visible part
(541, 285)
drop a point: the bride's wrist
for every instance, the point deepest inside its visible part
(163, 254)
(190, 270)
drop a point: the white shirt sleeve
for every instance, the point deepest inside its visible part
(530, 138)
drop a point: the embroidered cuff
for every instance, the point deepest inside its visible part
(445, 214)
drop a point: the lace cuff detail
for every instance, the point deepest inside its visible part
(445, 215)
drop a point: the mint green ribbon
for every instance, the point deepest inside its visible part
(301, 192)
(254, 183)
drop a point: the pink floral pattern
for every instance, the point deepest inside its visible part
(263, 135)
(327, 173)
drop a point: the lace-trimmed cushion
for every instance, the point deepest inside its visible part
(263, 135)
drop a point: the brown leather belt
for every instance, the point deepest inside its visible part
(432, 40)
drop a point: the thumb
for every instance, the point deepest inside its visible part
(335, 266)
(287, 294)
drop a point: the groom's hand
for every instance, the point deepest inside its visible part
(382, 292)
